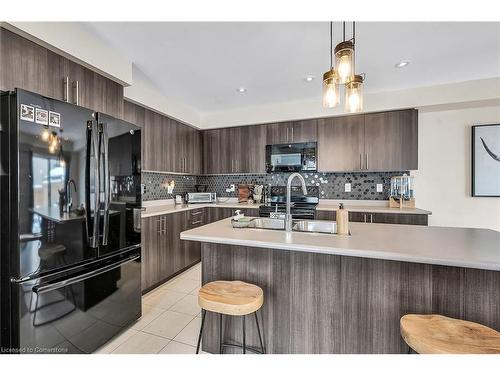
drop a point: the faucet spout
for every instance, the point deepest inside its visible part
(288, 216)
(69, 195)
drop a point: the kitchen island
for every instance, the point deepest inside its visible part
(345, 294)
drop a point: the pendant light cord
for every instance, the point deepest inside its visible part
(331, 45)
(343, 28)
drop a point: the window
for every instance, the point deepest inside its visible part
(49, 177)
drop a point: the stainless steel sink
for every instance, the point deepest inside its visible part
(267, 223)
(316, 226)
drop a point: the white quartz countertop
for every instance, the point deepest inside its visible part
(460, 247)
(154, 208)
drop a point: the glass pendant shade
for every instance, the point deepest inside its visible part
(354, 95)
(344, 61)
(331, 96)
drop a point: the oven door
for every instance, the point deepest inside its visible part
(291, 157)
(80, 311)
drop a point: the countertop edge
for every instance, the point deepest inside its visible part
(359, 253)
(325, 207)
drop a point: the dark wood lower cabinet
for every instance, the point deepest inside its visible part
(320, 303)
(369, 217)
(164, 254)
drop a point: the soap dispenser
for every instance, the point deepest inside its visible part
(342, 220)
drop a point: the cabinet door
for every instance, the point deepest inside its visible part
(253, 157)
(194, 218)
(216, 151)
(153, 153)
(29, 66)
(340, 143)
(278, 133)
(94, 90)
(150, 229)
(409, 219)
(325, 215)
(193, 151)
(175, 224)
(304, 131)
(391, 141)
(358, 217)
(248, 149)
(134, 113)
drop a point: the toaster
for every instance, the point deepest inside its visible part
(201, 197)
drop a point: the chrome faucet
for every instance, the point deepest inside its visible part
(288, 216)
(69, 196)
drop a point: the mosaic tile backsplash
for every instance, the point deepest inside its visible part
(331, 185)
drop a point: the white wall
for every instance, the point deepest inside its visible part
(443, 180)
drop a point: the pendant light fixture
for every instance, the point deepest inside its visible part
(344, 59)
(331, 96)
(354, 94)
(354, 87)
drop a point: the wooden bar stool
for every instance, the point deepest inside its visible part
(234, 298)
(438, 334)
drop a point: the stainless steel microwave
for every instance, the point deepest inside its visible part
(291, 157)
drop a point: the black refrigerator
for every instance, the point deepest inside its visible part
(70, 225)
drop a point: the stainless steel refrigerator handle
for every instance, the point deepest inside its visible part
(76, 89)
(107, 190)
(47, 287)
(97, 184)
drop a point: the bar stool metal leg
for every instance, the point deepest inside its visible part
(244, 336)
(204, 312)
(258, 331)
(221, 346)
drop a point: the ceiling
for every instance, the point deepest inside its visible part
(202, 64)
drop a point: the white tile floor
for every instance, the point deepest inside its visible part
(170, 320)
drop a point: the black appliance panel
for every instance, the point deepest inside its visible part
(121, 157)
(78, 312)
(291, 157)
(48, 158)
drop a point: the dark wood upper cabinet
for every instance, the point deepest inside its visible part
(304, 131)
(32, 67)
(341, 143)
(216, 151)
(134, 113)
(391, 141)
(386, 141)
(291, 132)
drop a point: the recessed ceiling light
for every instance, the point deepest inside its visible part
(241, 90)
(309, 78)
(402, 64)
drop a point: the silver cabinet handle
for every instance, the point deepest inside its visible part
(75, 92)
(196, 213)
(366, 161)
(164, 225)
(364, 215)
(196, 222)
(158, 225)
(292, 134)
(360, 161)
(371, 218)
(287, 134)
(66, 89)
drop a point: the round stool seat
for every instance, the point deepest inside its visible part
(230, 297)
(47, 251)
(437, 334)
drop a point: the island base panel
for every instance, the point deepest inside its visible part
(320, 303)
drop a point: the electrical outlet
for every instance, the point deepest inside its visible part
(380, 188)
(347, 188)
(231, 189)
